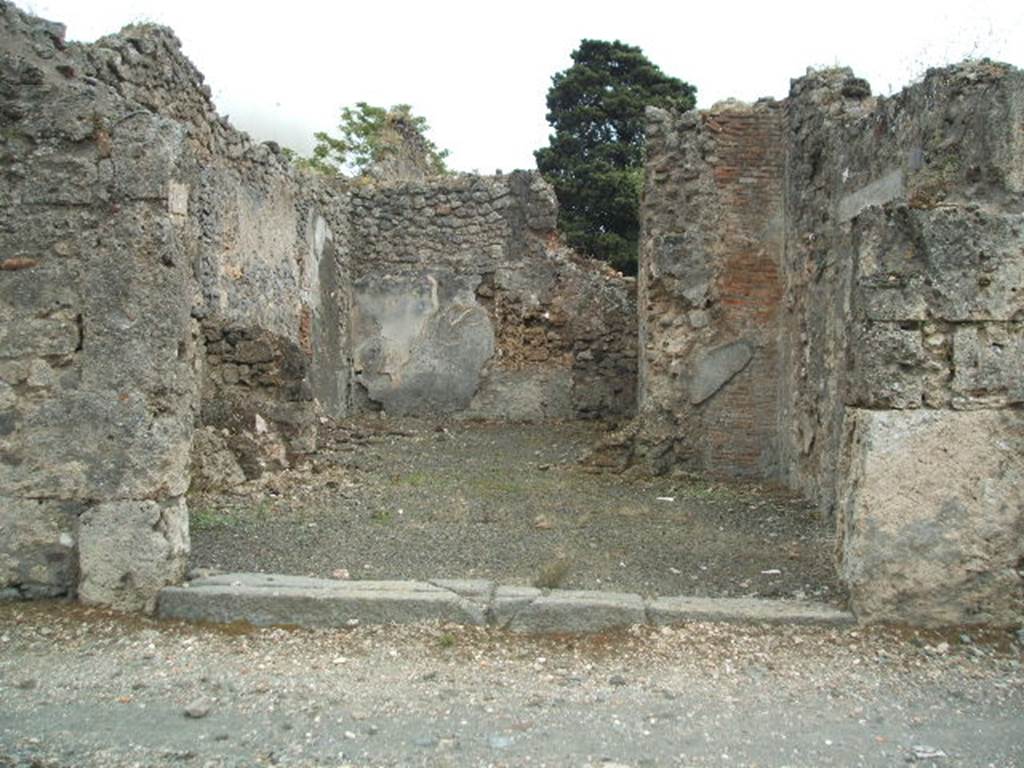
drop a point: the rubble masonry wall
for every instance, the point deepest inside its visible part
(896, 310)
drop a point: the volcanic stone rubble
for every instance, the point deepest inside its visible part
(829, 297)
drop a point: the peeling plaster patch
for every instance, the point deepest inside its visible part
(716, 367)
(878, 192)
(177, 199)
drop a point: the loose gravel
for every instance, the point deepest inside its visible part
(84, 688)
(404, 499)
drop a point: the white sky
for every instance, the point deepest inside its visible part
(479, 71)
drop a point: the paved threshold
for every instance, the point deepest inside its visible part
(268, 599)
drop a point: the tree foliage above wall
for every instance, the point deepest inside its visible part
(376, 137)
(595, 157)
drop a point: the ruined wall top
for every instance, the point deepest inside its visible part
(143, 64)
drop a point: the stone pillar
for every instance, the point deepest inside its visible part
(97, 387)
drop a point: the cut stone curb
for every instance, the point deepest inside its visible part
(578, 612)
(267, 600)
(677, 610)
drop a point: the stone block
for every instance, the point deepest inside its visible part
(278, 600)
(886, 367)
(575, 612)
(509, 600)
(477, 590)
(957, 264)
(988, 361)
(38, 337)
(129, 550)
(882, 190)
(681, 610)
(713, 369)
(145, 149)
(931, 511)
(96, 445)
(37, 546)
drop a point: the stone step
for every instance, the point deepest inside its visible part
(273, 600)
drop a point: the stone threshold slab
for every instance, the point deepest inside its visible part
(269, 599)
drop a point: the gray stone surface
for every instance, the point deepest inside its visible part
(988, 364)
(271, 599)
(878, 192)
(478, 590)
(680, 610)
(315, 603)
(571, 612)
(420, 341)
(716, 367)
(127, 550)
(509, 600)
(38, 546)
(932, 510)
(531, 394)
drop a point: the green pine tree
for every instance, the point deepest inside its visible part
(595, 157)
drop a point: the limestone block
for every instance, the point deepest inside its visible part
(573, 612)
(128, 550)
(277, 599)
(33, 337)
(932, 511)
(680, 610)
(956, 264)
(96, 445)
(988, 360)
(886, 367)
(37, 546)
(145, 149)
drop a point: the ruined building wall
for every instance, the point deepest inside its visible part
(159, 272)
(465, 302)
(897, 319)
(906, 375)
(710, 286)
(97, 384)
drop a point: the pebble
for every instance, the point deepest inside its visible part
(198, 709)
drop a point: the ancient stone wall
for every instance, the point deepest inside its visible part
(177, 308)
(710, 286)
(141, 241)
(906, 269)
(465, 302)
(879, 256)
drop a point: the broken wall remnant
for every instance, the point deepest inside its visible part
(134, 223)
(179, 306)
(465, 302)
(710, 290)
(888, 249)
(831, 296)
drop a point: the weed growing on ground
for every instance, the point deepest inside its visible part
(208, 519)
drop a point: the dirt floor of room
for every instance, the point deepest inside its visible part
(405, 499)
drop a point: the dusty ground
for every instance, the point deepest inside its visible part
(407, 499)
(83, 688)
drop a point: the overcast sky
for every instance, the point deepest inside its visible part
(479, 71)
